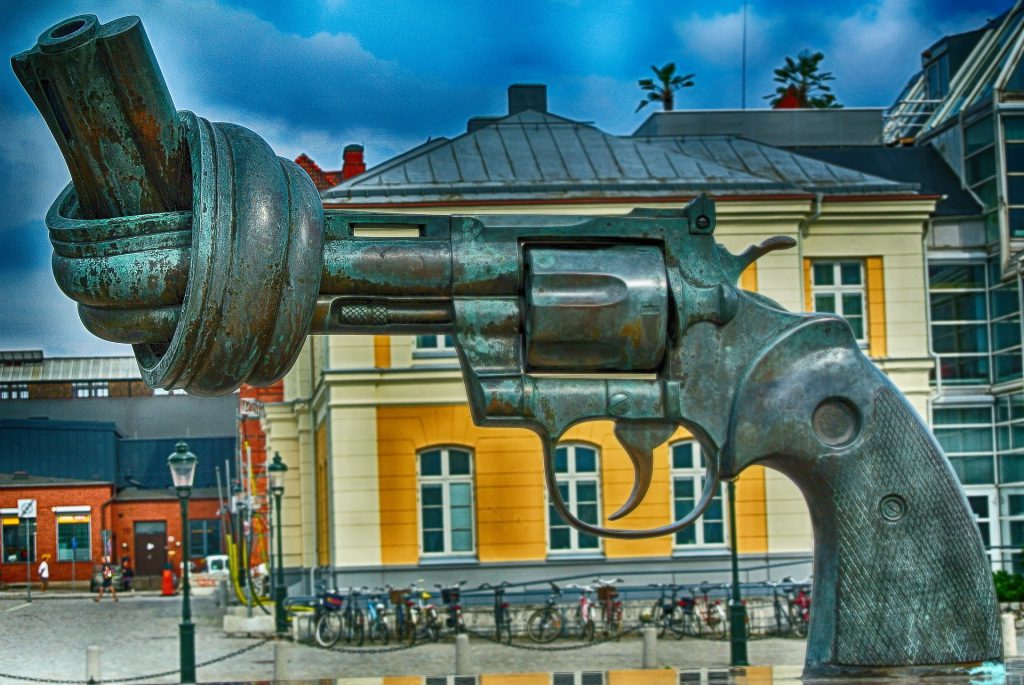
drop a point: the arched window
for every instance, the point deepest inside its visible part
(578, 476)
(687, 484)
(446, 501)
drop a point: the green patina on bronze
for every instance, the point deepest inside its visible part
(213, 257)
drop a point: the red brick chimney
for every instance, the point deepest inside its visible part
(353, 163)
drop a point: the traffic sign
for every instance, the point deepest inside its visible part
(26, 508)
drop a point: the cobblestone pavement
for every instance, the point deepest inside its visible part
(139, 636)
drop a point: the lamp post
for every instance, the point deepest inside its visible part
(737, 611)
(275, 473)
(183, 470)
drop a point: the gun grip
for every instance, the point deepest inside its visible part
(896, 550)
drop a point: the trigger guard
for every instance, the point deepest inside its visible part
(706, 495)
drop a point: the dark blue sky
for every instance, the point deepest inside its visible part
(314, 76)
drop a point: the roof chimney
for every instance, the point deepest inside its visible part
(353, 163)
(523, 96)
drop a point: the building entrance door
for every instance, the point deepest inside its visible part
(150, 547)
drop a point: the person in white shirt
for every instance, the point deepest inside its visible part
(44, 571)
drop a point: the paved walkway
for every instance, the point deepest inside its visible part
(139, 635)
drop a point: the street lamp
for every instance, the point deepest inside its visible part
(183, 470)
(275, 473)
(737, 611)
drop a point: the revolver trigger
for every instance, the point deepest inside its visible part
(639, 438)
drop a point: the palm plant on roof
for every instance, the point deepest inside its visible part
(662, 88)
(802, 84)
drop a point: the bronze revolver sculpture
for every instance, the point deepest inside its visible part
(213, 257)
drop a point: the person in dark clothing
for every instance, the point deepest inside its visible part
(107, 576)
(127, 572)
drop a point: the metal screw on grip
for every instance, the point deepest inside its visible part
(836, 422)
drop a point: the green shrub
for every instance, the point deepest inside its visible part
(1009, 586)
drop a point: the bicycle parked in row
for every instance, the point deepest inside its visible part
(450, 597)
(502, 613)
(421, 621)
(672, 612)
(545, 624)
(611, 607)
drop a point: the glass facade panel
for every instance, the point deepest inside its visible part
(958, 306)
(965, 275)
(980, 167)
(979, 134)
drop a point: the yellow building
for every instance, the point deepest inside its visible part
(389, 480)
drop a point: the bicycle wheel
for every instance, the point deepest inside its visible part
(544, 625)
(383, 632)
(658, 619)
(433, 630)
(328, 629)
(358, 628)
(615, 627)
(408, 632)
(505, 630)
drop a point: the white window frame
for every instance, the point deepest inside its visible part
(992, 522)
(573, 478)
(837, 290)
(696, 475)
(1008, 555)
(444, 346)
(56, 532)
(83, 389)
(13, 391)
(446, 480)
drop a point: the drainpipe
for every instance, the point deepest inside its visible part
(928, 313)
(802, 231)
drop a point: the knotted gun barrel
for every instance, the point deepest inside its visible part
(217, 277)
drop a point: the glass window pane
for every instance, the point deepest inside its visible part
(431, 495)
(1003, 301)
(686, 536)
(857, 325)
(947, 415)
(823, 273)
(960, 338)
(460, 494)
(714, 533)
(586, 460)
(560, 537)
(1014, 157)
(973, 470)
(853, 304)
(825, 303)
(981, 166)
(433, 518)
(682, 455)
(461, 518)
(850, 273)
(1011, 470)
(430, 463)
(964, 370)
(426, 342)
(563, 490)
(971, 275)
(587, 541)
(714, 510)
(458, 463)
(955, 440)
(1015, 505)
(586, 491)
(1005, 334)
(1015, 190)
(1015, 217)
(561, 460)
(952, 306)
(1007, 366)
(979, 134)
(587, 513)
(979, 505)
(449, 341)
(1013, 127)
(433, 541)
(683, 488)
(462, 541)
(987, 192)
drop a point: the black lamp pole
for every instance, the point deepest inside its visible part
(183, 468)
(737, 610)
(276, 472)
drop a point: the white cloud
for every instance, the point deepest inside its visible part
(717, 39)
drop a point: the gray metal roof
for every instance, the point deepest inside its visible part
(68, 369)
(538, 155)
(784, 166)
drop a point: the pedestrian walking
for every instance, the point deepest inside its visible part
(107, 580)
(127, 572)
(44, 571)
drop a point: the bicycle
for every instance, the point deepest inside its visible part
(585, 611)
(545, 624)
(798, 602)
(353, 619)
(611, 607)
(450, 595)
(671, 612)
(711, 617)
(502, 615)
(329, 625)
(421, 620)
(377, 615)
